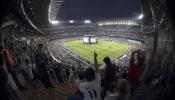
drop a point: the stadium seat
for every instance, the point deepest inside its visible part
(72, 77)
(52, 77)
(63, 74)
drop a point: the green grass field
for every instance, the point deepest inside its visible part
(103, 48)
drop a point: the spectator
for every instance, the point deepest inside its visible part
(26, 64)
(136, 67)
(3, 78)
(89, 90)
(109, 76)
(8, 57)
(11, 64)
(122, 93)
(41, 61)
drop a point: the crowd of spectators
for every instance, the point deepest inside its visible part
(66, 56)
(122, 67)
(30, 62)
(123, 62)
(93, 85)
(60, 52)
(31, 59)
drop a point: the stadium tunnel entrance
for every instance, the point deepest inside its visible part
(156, 34)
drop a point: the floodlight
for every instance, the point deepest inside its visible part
(87, 21)
(54, 22)
(129, 23)
(100, 24)
(140, 16)
(71, 21)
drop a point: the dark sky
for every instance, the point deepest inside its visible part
(98, 9)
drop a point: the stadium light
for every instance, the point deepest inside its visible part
(87, 21)
(129, 23)
(140, 16)
(100, 24)
(71, 21)
(54, 22)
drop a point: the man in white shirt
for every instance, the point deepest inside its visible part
(92, 87)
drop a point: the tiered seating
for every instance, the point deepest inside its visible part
(61, 76)
(60, 89)
(58, 93)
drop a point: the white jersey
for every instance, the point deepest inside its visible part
(78, 82)
(91, 90)
(115, 96)
(112, 96)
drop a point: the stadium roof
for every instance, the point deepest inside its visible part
(53, 16)
(54, 11)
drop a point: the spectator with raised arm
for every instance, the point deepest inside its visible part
(90, 89)
(109, 76)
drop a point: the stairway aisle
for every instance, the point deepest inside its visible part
(57, 93)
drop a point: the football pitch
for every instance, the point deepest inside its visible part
(103, 48)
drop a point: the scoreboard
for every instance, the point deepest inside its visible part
(90, 39)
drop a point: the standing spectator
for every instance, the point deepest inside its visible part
(11, 65)
(89, 89)
(136, 68)
(41, 61)
(26, 64)
(3, 78)
(8, 56)
(109, 76)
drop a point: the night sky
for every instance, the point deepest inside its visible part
(98, 9)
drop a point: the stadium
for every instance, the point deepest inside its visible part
(112, 47)
(81, 41)
(87, 50)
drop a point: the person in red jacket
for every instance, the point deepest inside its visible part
(8, 56)
(136, 68)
